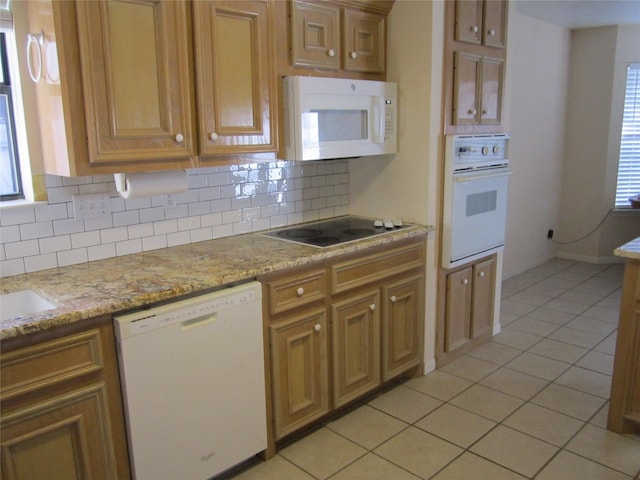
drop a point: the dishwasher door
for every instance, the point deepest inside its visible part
(192, 374)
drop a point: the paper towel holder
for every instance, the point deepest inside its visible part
(146, 184)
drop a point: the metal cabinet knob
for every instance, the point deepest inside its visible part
(213, 136)
(393, 299)
(372, 307)
(353, 55)
(481, 274)
(474, 28)
(300, 291)
(179, 138)
(331, 52)
(317, 327)
(465, 281)
(491, 32)
(472, 111)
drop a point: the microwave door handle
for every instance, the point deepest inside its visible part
(378, 119)
(473, 178)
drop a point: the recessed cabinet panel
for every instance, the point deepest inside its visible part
(483, 295)
(466, 84)
(491, 102)
(458, 309)
(137, 78)
(402, 329)
(315, 35)
(356, 346)
(299, 370)
(364, 47)
(495, 23)
(234, 54)
(468, 21)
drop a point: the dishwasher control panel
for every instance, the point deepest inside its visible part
(190, 312)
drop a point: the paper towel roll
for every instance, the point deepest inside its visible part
(147, 184)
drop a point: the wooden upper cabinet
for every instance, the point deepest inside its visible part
(234, 61)
(481, 22)
(494, 33)
(364, 41)
(138, 81)
(477, 89)
(315, 35)
(330, 36)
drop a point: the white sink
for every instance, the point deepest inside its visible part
(22, 303)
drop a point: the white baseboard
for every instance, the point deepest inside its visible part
(589, 258)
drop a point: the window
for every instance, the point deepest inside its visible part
(629, 164)
(10, 182)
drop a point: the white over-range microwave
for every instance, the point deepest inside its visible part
(328, 118)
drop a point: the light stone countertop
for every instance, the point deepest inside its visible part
(88, 290)
(630, 250)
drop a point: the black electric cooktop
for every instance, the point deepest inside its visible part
(327, 233)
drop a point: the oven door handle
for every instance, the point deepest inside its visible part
(479, 176)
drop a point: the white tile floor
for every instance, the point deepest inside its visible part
(531, 403)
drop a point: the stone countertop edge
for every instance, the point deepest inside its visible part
(104, 287)
(630, 250)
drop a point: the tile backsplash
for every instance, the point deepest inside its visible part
(220, 201)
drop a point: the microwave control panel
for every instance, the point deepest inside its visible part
(389, 111)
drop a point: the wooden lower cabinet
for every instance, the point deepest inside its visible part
(61, 414)
(624, 403)
(466, 313)
(356, 346)
(340, 329)
(299, 366)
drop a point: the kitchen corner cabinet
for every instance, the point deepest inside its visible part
(153, 85)
(61, 412)
(339, 329)
(467, 314)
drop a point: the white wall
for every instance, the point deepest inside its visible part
(599, 57)
(537, 62)
(407, 185)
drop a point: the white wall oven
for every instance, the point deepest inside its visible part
(475, 197)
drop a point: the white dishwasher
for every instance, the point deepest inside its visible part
(192, 374)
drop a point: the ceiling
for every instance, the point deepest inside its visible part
(582, 13)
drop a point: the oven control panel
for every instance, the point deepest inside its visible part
(477, 150)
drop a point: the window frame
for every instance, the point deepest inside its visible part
(6, 89)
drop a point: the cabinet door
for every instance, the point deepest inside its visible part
(234, 61)
(355, 326)
(466, 86)
(491, 96)
(402, 328)
(483, 293)
(468, 21)
(299, 365)
(458, 309)
(364, 41)
(494, 32)
(66, 436)
(136, 60)
(315, 35)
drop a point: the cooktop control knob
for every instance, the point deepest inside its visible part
(388, 224)
(397, 223)
(485, 150)
(377, 223)
(496, 149)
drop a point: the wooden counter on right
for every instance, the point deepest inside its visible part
(624, 404)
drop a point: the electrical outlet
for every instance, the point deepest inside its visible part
(550, 233)
(91, 206)
(169, 200)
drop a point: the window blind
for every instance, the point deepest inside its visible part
(629, 163)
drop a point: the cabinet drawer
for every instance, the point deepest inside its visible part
(48, 363)
(364, 270)
(291, 292)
